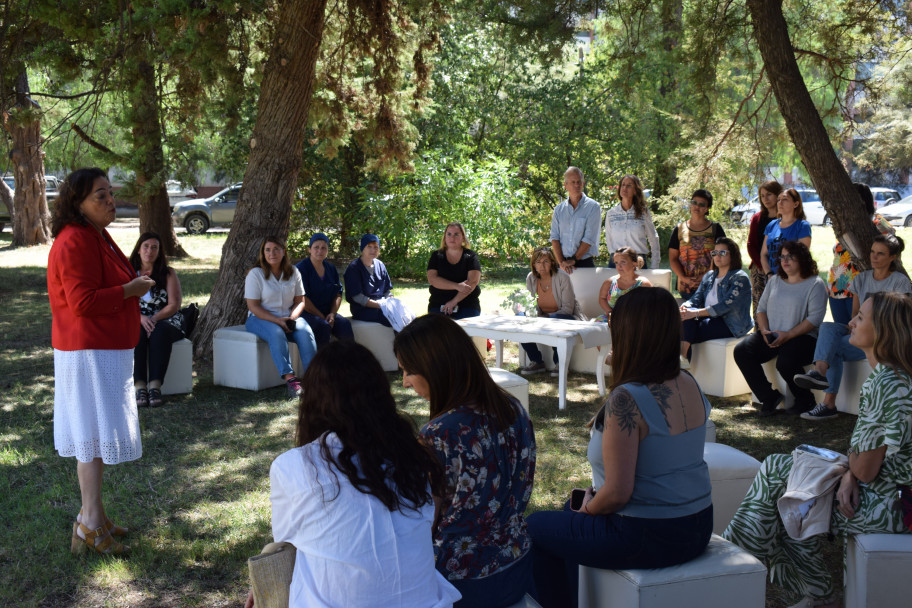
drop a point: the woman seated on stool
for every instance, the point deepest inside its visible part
(483, 438)
(275, 301)
(454, 272)
(627, 263)
(652, 503)
(790, 311)
(366, 281)
(353, 496)
(833, 343)
(721, 306)
(880, 463)
(556, 300)
(324, 294)
(160, 321)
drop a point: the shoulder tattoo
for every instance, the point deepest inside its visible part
(661, 393)
(623, 409)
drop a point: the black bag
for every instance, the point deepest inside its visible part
(189, 316)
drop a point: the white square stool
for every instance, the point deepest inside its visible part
(378, 339)
(241, 360)
(877, 570)
(512, 383)
(179, 377)
(731, 473)
(713, 366)
(725, 575)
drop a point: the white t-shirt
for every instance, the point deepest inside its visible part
(712, 297)
(352, 551)
(274, 295)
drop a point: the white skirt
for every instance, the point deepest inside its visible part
(94, 406)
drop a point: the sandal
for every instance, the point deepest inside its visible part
(108, 525)
(142, 397)
(106, 545)
(155, 397)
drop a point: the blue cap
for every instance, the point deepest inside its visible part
(319, 236)
(368, 238)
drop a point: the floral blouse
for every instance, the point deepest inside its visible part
(155, 300)
(489, 479)
(839, 279)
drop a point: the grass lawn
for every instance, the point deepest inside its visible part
(198, 499)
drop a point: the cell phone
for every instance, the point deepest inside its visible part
(576, 498)
(822, 452)
(453, 312)
(772, 337)
(290, 324)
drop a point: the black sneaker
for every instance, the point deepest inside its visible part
(820, 412)
(811, 380)
(769, 408)
(797, 410)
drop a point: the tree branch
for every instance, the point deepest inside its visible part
(98, 146)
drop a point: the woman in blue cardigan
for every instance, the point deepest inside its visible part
(720, 308)
(366, 281)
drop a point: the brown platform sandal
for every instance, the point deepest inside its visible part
(106, 545)
(108, 525)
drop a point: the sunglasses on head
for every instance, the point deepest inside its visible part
(721, 253)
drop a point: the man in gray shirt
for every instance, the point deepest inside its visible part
(575, 225)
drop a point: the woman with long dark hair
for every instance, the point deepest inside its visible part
(484, 441)
(768, 195)
(160, 319)
(353, 496)
(650, 505)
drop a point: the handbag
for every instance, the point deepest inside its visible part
(189, 315)
(270, 575)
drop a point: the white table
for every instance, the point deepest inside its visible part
(558, 333)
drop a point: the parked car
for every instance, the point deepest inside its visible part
(198, 215)
(813, 209)
(884, 197)
(51, 186)
(177, 193)
(900, 213)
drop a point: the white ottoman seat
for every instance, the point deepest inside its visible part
(731, 473)
(713, 366)
(724, 576)
(877, 570)
(179, 377)
(512, 383)
(241, 360)
(378, 339)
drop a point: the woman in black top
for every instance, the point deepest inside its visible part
(454, 272)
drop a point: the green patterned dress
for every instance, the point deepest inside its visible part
(798, 566)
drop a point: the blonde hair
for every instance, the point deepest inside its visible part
(891, 313)
(465, 237)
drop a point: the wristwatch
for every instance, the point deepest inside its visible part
(570, 258)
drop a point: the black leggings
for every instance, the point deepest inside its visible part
(153, 352)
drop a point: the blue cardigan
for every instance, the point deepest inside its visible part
(359, 280)
(734, 300)
(322, 292)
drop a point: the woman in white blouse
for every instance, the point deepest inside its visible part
(353, 497)
(275, 300)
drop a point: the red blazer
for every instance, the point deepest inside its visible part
(86, 274)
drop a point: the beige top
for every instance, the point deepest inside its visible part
(562, 291)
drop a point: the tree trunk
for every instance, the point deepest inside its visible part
(840, 199)
(667, 133)
(149, 167)
(276, 150)
(30, 217)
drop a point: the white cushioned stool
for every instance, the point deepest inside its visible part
(512, 383)
(241, 360)
(713, 366)
(378, 339)
(731, 473)
(724, 576)
(877, 570)
(179, 377)
(854, 374)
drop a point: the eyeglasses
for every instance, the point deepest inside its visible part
(699, 204)
(720, 253)
(785, 257)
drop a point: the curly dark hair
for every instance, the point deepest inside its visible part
(437, 348)
(347, 393)
(75, 188)
(160, 268)
(807, 267)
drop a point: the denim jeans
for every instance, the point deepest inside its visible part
(341, 329)
(834, 348)
(753, 351)
(462, 313)
(154, 352)
(841, 309)
(531, 348)
(564, 540)
(277, 340)
(500, 590)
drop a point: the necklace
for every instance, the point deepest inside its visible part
(545, 287)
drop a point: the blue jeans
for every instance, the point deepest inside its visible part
(564, 540)
(341, 329)
(277, 340)
(834, 348)
(531, 348)
(500, 590)
(841, 309)
(462, 313)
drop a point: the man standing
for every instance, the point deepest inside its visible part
(575, 225)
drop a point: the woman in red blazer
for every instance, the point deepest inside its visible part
(94, 295)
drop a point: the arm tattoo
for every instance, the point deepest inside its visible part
(661, 393)
(622, 406)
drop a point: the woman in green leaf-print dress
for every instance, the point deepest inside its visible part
(880, 459)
